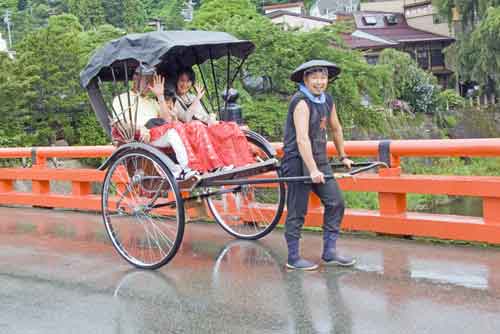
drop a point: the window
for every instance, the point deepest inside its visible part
(437, 58)
(370, 20)
(371, 59)
(423, 58)
(391, 19)
(438, 19)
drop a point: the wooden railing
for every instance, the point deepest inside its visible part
(391, 185)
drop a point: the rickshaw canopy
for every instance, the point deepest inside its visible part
(162, 49)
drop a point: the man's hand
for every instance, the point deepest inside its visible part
(145, 135)
(347, 163)
(317, 176)
(158, 86)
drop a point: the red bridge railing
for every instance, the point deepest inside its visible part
(391, 184)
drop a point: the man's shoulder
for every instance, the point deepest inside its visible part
(329, 98)
(297, 96)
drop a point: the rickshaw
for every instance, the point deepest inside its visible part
(143, 204)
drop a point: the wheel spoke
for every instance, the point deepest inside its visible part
(133, 184)
(248, 213)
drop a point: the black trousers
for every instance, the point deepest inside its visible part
(298, 198)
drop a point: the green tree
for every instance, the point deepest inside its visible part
(134, 15)
(22, 4)
(8, 4)
(49, 57)
(113, 12)
(483, 60)
(14, 92)
(411, 83)
(278, 52)
(171, 15)
(474, 53)
(470, 11)
(48, 63)
(89, 12)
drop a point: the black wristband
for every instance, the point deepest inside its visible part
(342, 158)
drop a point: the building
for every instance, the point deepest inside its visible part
(386, 6)
(291, 20)
(329, 8)
(293, 7)
(422, 15)
(4, 48)
(3, 44)
(419, 14)
(376, 31)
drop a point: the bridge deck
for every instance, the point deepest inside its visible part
(59, 274)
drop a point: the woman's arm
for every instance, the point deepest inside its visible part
(196, 109)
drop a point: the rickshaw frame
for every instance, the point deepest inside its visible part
(117, 61)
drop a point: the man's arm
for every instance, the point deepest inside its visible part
(301, 122)
(338, 136)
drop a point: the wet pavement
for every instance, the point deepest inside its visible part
(58, 274)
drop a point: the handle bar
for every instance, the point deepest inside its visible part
(242, 182)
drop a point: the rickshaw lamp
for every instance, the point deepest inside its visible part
(233, 111)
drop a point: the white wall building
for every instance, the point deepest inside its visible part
(328, 8)
(291, 20)
(293, 7)
(4, 48)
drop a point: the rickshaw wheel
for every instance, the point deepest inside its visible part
(251, 211)
(142, 209)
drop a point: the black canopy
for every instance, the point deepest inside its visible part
(162, 49)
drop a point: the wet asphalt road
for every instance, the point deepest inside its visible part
(58, 274)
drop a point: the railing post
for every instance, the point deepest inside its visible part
(392, 203)
(40, 187)
(6, 186)
(80, 188)
(491, 210)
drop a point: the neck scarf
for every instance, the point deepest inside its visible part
(319, 99)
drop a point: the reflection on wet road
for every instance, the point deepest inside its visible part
(59, 274)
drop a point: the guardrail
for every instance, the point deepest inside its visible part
(391, 185)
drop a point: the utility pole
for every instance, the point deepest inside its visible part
(6, 20)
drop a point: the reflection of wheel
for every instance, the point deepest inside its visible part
(250, 211)
(247, 258)
(143, 228)
(144, 284)
(138, 298)
(247, 277)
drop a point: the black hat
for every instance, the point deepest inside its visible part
(298, 73)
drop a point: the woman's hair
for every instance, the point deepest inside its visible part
(187, 71)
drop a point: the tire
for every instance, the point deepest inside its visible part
(145, 235)
(257, 221)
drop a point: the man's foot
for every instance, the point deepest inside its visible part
(338, 260)
(302, 264)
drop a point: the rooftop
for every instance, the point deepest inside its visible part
(284, 5)
(379, 29)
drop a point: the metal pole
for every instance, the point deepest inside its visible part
(306, 179)
(6, 19)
